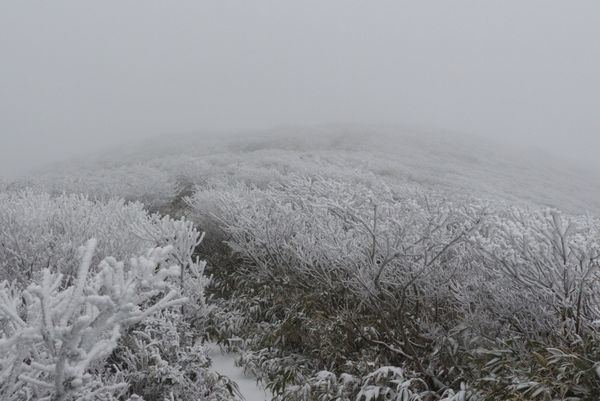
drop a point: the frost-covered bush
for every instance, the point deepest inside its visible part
(160, 359)
(542, 292)
(385, 383)
(134, 182)
(155, 180)
(39, 231)
(277, 369)
(550, 264)
(55, 338)
(183, 236)
(316, 231)
(538, 371)
(113, 332)
(346, 266)
(342, 272)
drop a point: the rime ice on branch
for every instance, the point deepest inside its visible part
(56, 333)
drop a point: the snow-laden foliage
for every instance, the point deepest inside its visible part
(385, 383)
(133, 182)
(550, 261)
(118, 339)
(38, 231)
(150, 173)
(329, 266)
(344, 272)
(161, 360)
(55, 338)
(342, 242)
(543, 294)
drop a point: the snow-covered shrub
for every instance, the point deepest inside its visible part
(542, 291)
(160, 359)
(183, 236)
(323, 386)
(55, 339)
(39, 231)
(312, 230)
(339, 270)
(385, 383)
(40, 235)
(163, 230)
(277, 369)
(539, 372)
(550, 264)
(346, 266)
(140, 182)
(155, 180)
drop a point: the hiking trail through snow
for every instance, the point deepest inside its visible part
(224, 364)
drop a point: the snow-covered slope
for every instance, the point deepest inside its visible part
(456, 164)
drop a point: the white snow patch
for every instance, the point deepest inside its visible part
(224, 364)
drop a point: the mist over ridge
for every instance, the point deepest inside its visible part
(450, 162)
(80, 77)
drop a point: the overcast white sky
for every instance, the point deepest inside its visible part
(75, 75)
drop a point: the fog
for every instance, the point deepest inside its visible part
(76, 76)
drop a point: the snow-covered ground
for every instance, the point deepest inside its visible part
(223, 363)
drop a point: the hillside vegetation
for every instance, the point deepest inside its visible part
(337, 268)
(442, 162)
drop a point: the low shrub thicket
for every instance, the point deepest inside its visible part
(39, 231)
(351, 277)
(76, 324)
(347, 287)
